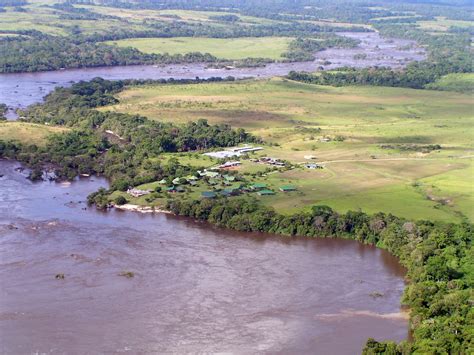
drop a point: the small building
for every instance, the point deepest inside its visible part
(208, 194)
(211, 174)
(233, 152)
(272, 161)
(245, 149)
(230, 164)
(287, 188)
(137, 192)
(258, 186)
(170, 189)
(310, 157)
(229, 178)
(176, 181)
(222, 154)
(180, 189)
(229, 192)
(162, 182)
(313, 166)
(266, 192)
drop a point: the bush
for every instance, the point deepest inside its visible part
(120, 200)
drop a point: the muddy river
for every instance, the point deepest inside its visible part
(23, 89)
(195, 289)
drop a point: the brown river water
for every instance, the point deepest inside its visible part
(197, 289)
(22, 89)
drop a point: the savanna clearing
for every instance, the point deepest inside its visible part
(404, 151)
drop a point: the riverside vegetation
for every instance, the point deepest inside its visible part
(125, 148)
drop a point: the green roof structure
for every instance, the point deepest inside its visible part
(208, 194)
(229, 191)
(266, 192)
(258, 186)
(211, 174)
(287, 188)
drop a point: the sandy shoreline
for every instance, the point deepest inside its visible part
(141, 209)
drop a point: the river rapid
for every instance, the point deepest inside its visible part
(196, 288)
(20, 90)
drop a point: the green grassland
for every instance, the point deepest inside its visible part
(37, 16)
(189, 16)
(226, 48)
(28, 133)
(375, 158)
(455, 82)
(442, 24)
(48, 21)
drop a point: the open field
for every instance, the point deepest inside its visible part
(227, 48)
(38, 16)
(48, 21)
(28, 133)
(174, 15)
(374, 142)
(442, 24)
(455, 82)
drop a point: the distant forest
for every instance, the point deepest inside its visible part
(34, 49)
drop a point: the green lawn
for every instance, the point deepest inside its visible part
(226, 48)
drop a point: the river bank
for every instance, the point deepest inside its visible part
(141, 209)
(191, 281)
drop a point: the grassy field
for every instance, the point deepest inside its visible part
(455, 82)
(48, 21)
(174, 14)
(228, 48)
(375, 158)
(28, 133)
(442, 24)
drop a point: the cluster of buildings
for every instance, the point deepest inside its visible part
(137, 192)
(228, 185)
(269, 161)
(259, 188)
